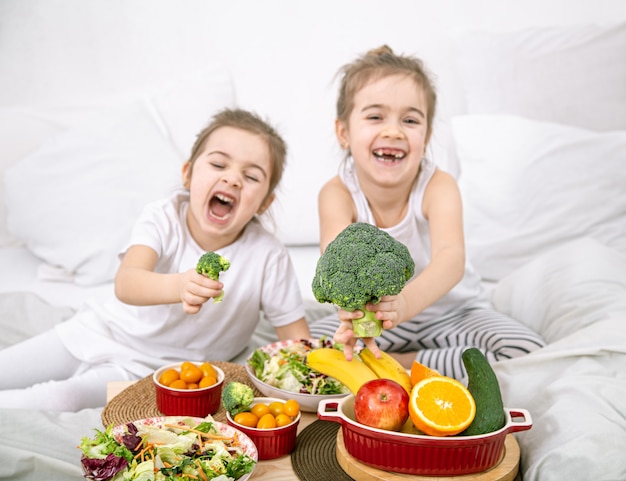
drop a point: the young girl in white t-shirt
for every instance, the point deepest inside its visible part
(161, 310)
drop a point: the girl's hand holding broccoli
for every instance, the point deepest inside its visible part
(196, 289)
(389, 310)
(202, 283)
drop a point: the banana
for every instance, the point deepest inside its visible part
(386, 368)
(332, 362)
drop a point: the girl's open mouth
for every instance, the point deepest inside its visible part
(221, 206)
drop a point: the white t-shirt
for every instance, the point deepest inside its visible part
(261, 277)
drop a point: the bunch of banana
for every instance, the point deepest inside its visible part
(386, 367)
(361, 369)
(332, 362)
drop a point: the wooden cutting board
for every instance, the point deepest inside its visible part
(505, 470)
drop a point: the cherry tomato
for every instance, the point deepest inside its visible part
(169, 376)
(187, 365)
(208, 369)
(207, 381)
(283, 420)
(291, 408)
(260, 409)
(246, 419)
(276, 408)
(267, 421)
(191, 374)
(178, 384)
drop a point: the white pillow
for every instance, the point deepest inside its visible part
(23, 132)
(566, 289)
(528, 186)
(182, 106)
(570, 75)
(74, 201)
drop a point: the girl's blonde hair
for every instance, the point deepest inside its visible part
(380, 63)
(252, 123)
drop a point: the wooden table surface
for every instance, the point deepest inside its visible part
(279, 469)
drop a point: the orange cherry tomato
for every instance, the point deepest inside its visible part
(267, 421)
(283, 420)
(246, 419)
(260, 409)
(276, 408)
(169, 376)
(291, 408)
(192, 374)
(207, 381)
(178, 384)
(187, 365)
(208, 369)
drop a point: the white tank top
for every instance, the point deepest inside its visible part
(413, 231)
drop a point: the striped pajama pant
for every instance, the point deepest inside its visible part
(440, 343)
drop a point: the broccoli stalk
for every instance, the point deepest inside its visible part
(237, 397)
(361, 265)
(211, 264)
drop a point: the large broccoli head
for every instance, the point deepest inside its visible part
(361, 265)
(211, 264)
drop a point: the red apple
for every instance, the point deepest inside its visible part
(382, 404)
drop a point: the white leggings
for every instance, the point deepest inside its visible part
(40, 373)
(440, 343)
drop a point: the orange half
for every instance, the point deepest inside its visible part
(441, 406)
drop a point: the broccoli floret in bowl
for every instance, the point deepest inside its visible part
(237, 397)
(362, 264)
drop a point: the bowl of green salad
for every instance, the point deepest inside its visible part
(279, 370)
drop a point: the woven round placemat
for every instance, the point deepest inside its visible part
(138, 401)
(315, 458)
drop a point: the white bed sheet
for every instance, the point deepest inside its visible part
(19, 273)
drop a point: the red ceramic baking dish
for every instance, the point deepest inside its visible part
(421, 454)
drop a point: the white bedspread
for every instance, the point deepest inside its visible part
(575, 388)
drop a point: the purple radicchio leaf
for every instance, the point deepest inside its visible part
(131, 440)
(103, 469)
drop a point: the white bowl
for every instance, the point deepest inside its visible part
(308, 402)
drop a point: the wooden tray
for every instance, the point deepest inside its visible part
(505, 470)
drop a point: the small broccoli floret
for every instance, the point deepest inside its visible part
(211, 264)
(237, 397)
(361, 265)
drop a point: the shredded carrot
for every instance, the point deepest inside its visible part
(146, 448)
(202, 474)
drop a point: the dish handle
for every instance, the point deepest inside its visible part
(328, 410)
(518, 420)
